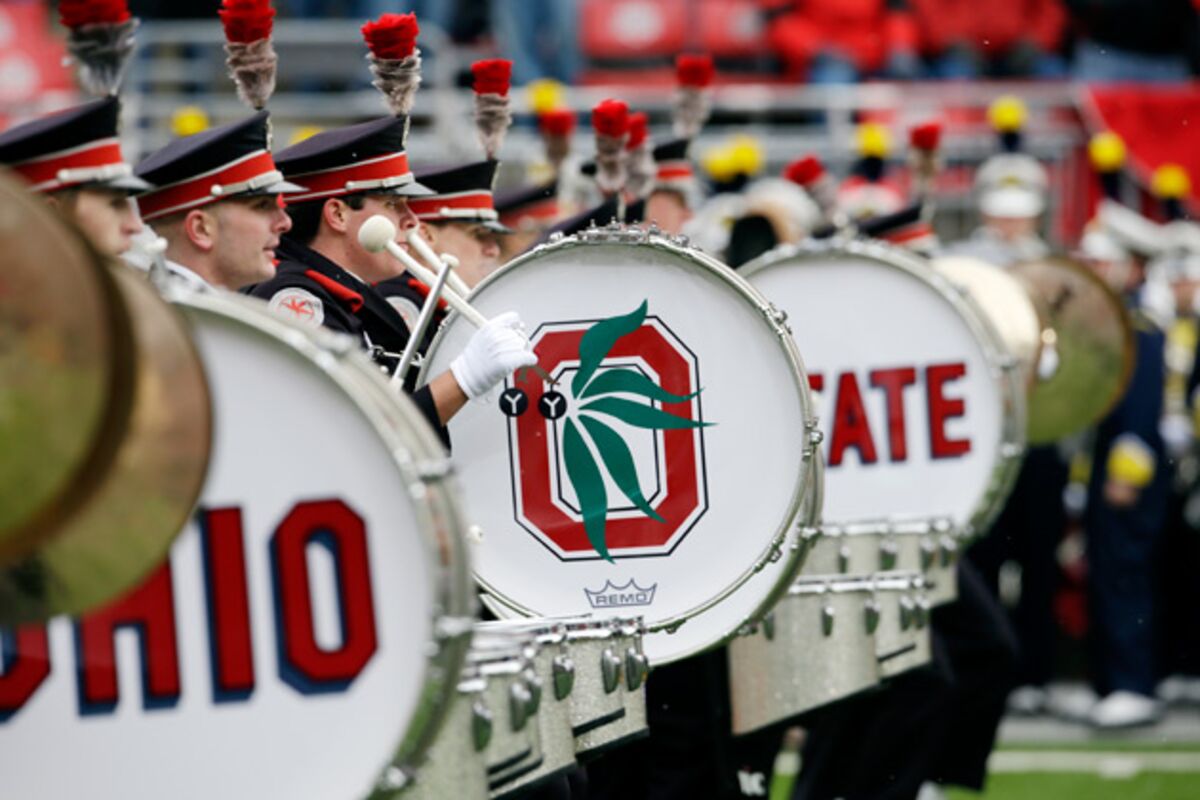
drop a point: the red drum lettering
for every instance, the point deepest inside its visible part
(149, 610)
(942, 408)
(24, 665)
(893, 381)
(850, 425)
(303, 664)
(228, 601)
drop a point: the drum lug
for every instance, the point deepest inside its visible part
(768, 626)
(534, 684)
(519, 701)
(610, 671)
(844, 558)
(923, 608)
(815, 437)
(949, 549)
(1012, 450)
(827, 615)
(637, 667)
(481, 726)
(871, 615)
(563, 671)
(435, 469)
(392, 780)
(929, 551)
(888, 553)
(907, 613)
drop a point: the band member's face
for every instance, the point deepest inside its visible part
(247, 233)
(476, 248)
(669, 211)
(107, 218)
(1012, 229)
(375, 267)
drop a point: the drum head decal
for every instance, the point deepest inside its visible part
(606, 438)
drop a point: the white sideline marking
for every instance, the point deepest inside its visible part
(1113, 765)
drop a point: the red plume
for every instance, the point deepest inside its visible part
(696, 71)
(493, 76)
(804, 171)
(611, 118)
(247, 21)
(638, 122)
(556, 122)
(392, 36)
(74, 13)
(926, 136)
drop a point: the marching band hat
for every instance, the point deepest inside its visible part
(529, 206)
(460, 194)
(74, 147)
(673, 168)
(227, 161)
(367, 157)
(599, 216)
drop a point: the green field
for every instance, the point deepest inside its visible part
(1097, 770)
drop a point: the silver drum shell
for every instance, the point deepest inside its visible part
(816, 647)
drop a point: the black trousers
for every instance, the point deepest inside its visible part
(1028, 532)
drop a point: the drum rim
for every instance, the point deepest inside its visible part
(1004, 372)
(427, 483)
(792, 558)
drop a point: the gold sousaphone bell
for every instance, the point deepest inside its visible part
(1071, 335)
(105, 420)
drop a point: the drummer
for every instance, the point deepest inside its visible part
(217, 201)
(325, 277)
(73, 159)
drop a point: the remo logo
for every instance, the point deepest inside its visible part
(606, 438)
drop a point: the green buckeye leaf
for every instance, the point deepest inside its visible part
(585, 477)
(632, 382)
(599, 339)
(640, 415)
(619, 463)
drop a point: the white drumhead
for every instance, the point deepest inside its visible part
(318, 537)
(725, 493)
(921, 417)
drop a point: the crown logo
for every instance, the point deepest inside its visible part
(612, 596)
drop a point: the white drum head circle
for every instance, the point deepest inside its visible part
(290, 641)
(658, 461)
(922, 416)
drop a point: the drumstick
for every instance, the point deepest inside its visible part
(431, 258)
(379, 233)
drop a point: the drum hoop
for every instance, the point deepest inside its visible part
(427, 481)
(1011, 446)
(793, 556)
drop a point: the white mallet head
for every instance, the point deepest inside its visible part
(376, 232)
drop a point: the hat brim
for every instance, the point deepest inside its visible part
(128, 183)
(497, 227)
(411, 189)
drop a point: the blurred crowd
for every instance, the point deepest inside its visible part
(818, 41)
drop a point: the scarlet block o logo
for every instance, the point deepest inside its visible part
(608, 462)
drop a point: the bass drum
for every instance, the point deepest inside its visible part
(925, 409)
(656, 460)
(306, 630)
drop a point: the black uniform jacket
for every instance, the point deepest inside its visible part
(349, 306)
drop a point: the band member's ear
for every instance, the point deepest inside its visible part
(200, 227)
(336, 215)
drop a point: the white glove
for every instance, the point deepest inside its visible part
(495, 350)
